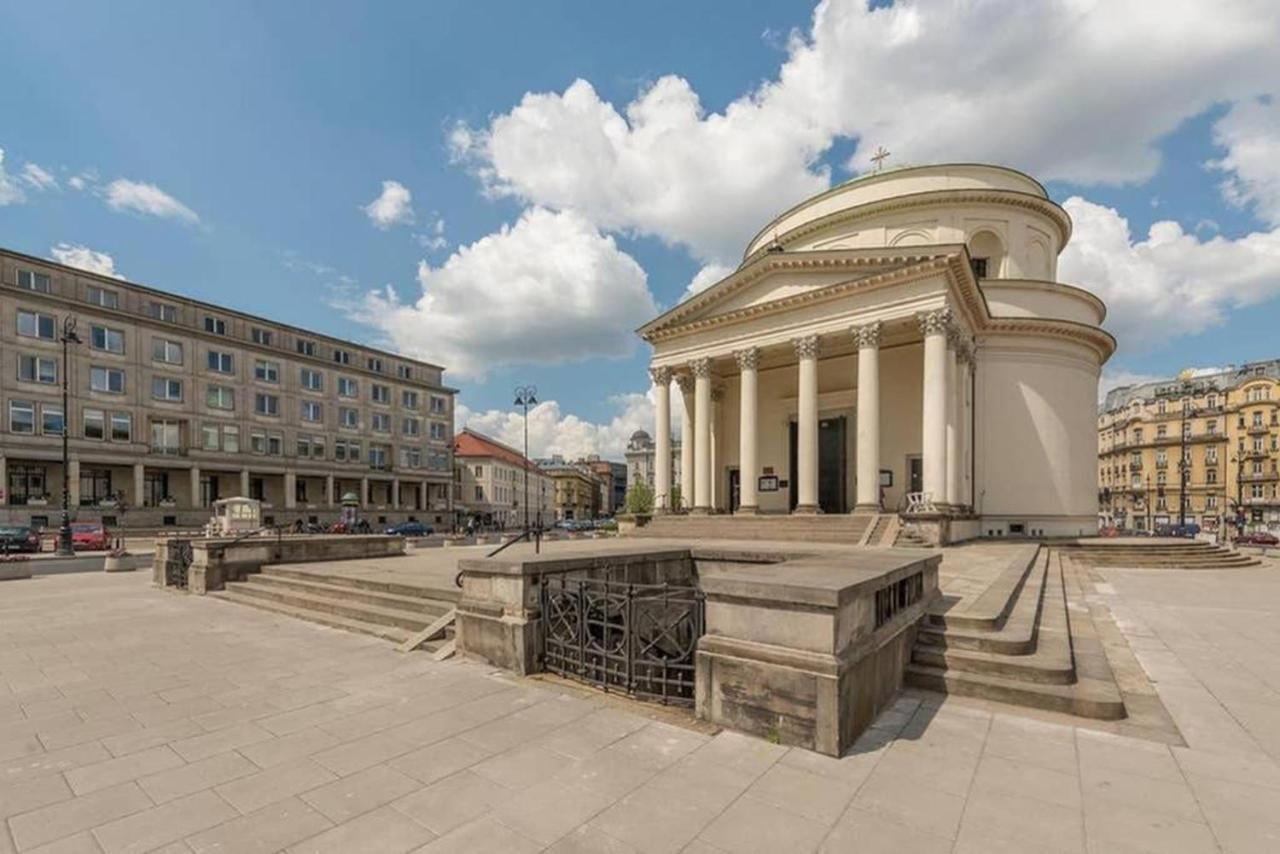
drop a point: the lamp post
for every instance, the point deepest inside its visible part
(1146, 479)
(68, 338)
(1183, 465)
(526, 396)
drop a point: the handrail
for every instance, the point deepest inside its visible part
(533, 534)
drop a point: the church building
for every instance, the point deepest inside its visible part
(897, 344)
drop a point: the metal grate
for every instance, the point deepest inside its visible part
(897, 596)
(179, 561)
(636, 638)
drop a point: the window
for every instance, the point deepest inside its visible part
(163, 311)
(95, 424)
(261, 336)
(165, 437)
(275, 444)
(103, 297)
(479, 471)
(267, 372)
(266, 404)
(26, 483)
(410, 458)
(305, 347)
(215, 325)
(104, 338)
(312, 380)
(979, 267)
(342, 357)
(155, 488)
(381, 422)
(408, 399)
(1210, 475)
(109, 380)
(1211, 502)
(163, 388)
(164, 350)
(221, 397)
(37, 369)
(317, 447)
(439, 431)
(30, 280)
(438, 405)
(95, 486)
(22, 416)
(121, 426)
(231, 439)
(379, 457)
(219, 362)
(209, 434)
(1161, 406)
(304, 446)
(411, 427)
(479, 493)
(349, 417)
(1162, 431)
(380, 393)
(258, 441)
(374, 364)
(32, 324)
(348, 387)
(346, 450)
(404, 372)
(312, 410)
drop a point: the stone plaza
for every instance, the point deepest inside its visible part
(135, 719)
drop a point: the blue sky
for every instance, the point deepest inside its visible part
(269, 129)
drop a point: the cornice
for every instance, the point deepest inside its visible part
(1101, 341)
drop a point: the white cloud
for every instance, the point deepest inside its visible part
(548, 289)
(74, 255)
(552, 431)
(139, 197)
(38, 177)
(705, 278)
(10, 192)
(1170, 284)
(393, 207)
(82, 180)
(1250, 131)
(1045, 83)
(433, 238)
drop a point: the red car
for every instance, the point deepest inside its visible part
(88, 536)
(1258, 538)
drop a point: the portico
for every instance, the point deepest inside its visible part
(895, 345)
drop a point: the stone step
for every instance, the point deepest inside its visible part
(1051, 660)
(395, 601)
(411, 621)
(1017, 632)
(1086, 698)
(989, 610)
(391, 633)
(448, 593)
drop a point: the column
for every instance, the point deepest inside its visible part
(364, 492)
(953, 418)
(662, 439)
(4, 480)
(244, 483)
(422, 496)
(701, 435)
(748, 411)
(964, 382)
(73, 483)
(290, 490)
(933, 326)
(395, 493)
(806, 473)
(717, 405)
(685, 381)
(195, 486)
(328, 490)
(868, 414)
(139, 484)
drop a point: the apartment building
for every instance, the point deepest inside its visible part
(490, 484)
(612, 479)
(1223, 427)
(577, 493)
(175, 403)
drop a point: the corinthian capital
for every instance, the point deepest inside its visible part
(748, 359)
(685, 381)
(934, 322)
(806, 346)
(661, 376)
(867, 335)
(701, 367)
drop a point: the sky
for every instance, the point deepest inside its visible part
(510, 189)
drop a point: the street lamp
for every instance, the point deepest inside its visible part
(526, 396)
(68, 338)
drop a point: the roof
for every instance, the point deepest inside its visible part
(470, 444)
(1201, 382)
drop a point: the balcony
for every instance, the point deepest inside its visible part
(168, 450)
(1259, 477)
(1259, 429)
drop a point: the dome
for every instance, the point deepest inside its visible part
(640, 436)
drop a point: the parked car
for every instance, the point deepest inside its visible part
(1258, 538)
(1191, 529)
(89, 536)
(19, 538)
(410, 529)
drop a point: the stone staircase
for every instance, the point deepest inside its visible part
(847, 528)
(1157, 554)
(883, 532)
(1026, 640)
(384, 609)
(907, 539)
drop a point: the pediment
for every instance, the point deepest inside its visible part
(782, 278)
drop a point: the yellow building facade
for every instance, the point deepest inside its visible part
(1222, 428)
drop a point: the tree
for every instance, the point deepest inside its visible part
(675, 498)
(640, 499)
